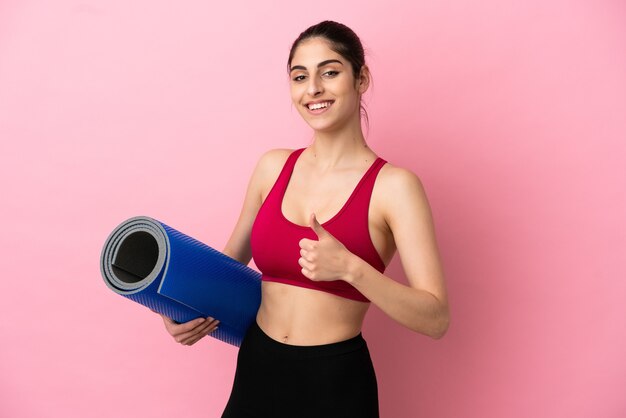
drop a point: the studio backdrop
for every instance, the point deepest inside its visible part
(511, 113)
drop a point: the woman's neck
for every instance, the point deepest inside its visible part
(336, 149)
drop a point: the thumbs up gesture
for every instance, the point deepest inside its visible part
(325, 259)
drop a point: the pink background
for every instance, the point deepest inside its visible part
(512, 113)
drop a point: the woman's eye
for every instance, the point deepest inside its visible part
(331, 73)
(298, 78)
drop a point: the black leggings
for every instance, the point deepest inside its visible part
(275, 380)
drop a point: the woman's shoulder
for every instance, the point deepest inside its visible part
(275, 155)
(273, 159)
(394, 179)
(270, 164)
(399, 193)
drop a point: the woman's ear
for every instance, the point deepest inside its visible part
(363, 82)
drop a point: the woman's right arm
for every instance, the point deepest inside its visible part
(264, 176)
(238, 246)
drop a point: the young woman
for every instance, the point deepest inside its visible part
(322, 223)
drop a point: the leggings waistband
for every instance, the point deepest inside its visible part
(257, 336)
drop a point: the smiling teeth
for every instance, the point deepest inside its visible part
(319, 105)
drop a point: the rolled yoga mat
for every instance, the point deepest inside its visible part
(169, 272)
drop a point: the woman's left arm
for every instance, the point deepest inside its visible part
(423, 305)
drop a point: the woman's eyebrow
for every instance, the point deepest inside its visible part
(321, 64)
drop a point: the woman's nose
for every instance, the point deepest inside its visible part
(315, 87)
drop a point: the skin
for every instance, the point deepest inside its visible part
(324, 176)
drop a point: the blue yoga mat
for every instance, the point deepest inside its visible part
(169, 272)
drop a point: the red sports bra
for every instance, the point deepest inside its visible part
(275, 240)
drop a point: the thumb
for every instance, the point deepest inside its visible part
(317, 227)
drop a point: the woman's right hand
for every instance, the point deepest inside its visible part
(189, 333)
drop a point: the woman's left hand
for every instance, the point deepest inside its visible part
(325, 259)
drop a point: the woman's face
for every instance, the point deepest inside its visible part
(323, 87)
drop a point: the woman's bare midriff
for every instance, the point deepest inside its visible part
(300, 316)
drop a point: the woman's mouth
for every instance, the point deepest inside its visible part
(319, 107)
